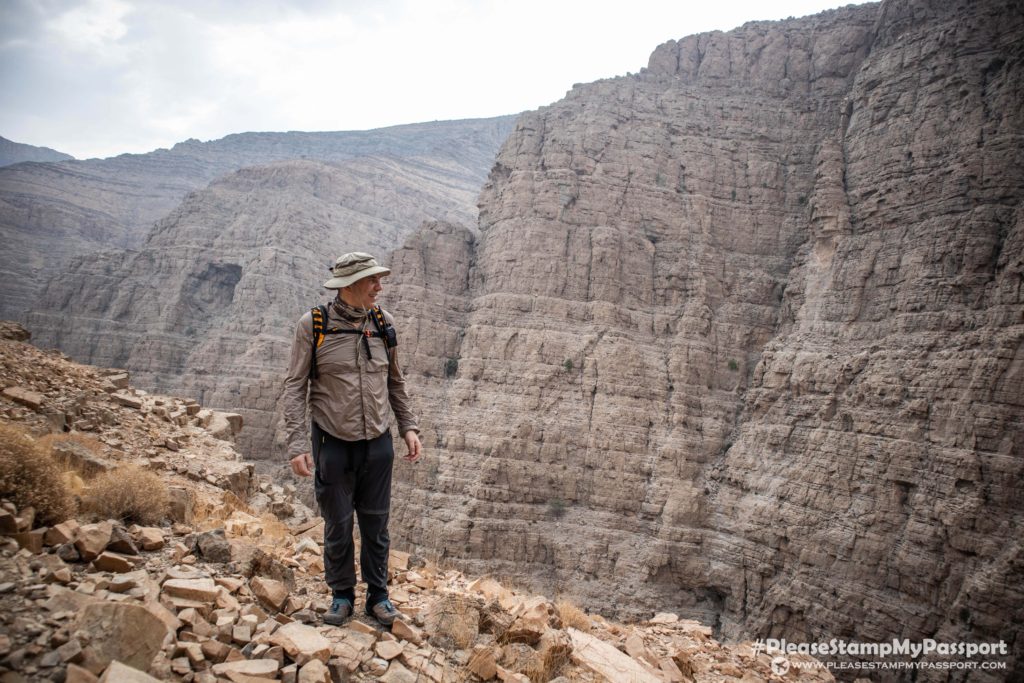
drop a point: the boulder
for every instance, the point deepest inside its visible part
(25, 397)
(121, 631)
(92, 540)
(120, 673)
(302, 643)
(271, 593)
(607, 660)
(202, 590)
(314, 671)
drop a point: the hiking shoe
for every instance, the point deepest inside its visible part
(384, 612)
(341, 610)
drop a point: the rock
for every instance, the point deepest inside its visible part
(530, 624)
(214, 650)
(314, 671)
(213, 546)
(397, 673)
(224, 426)
(66, 600)
(271, 593)
(398, 561)
(201, 590)
(150, 538)
(259, 668)
(113, 562)
(121, 542)
(77, 674)
(8, 523)
(25, 397)
(127, 400)
(388, 649)
(663, 618)
(180, 504)
(302, 643)
(121, 673)
(406, 631)
(607, 660)
(81, 458)
(68, 553)
(62, 533)
(70, 651)
(124, 632)
(31, 541)
(92, 540)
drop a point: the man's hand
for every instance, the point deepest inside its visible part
(412, 442)
(302, 465)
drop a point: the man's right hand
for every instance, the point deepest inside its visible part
(302, 465)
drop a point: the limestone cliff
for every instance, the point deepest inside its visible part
(51, 212)
(742, 336)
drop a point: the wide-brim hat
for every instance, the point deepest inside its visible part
(353, 267)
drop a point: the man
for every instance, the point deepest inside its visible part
(354, 384)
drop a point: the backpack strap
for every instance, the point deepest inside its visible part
(320, 331)
(384, 330)
(319, 314)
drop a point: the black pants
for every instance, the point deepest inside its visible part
(354, 476)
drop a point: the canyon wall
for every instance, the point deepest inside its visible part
(51, 212)
(742, 336)
(207, 305)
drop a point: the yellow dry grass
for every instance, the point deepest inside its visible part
(29, 476)
(128, 493)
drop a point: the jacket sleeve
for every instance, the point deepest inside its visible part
(296, 386)
(397, 394)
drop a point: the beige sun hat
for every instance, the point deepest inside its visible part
(352, 267)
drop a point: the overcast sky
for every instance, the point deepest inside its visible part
(96, 78)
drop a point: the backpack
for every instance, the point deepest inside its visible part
(384, 331)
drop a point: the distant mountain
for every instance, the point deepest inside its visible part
(16, 152)
(206, 305)
(50, 212)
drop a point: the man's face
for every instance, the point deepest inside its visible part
(363, 293)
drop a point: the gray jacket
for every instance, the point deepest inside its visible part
(354, 396)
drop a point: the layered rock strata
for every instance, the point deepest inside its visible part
(51, 212)
(742, 336)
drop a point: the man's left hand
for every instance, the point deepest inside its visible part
(412, 442)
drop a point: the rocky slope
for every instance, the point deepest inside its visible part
(16, 152)
(742, 336)
(222, 590)
(52, 212)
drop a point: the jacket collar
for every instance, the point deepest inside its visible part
(349, 313)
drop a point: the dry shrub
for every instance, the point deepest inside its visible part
(30, 476)
(547, 665)
(573, 616)
(128, 493)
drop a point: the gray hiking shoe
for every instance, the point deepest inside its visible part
(341, 610)
(384, 612)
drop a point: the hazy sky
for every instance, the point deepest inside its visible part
(95, 78)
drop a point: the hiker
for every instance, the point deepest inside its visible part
(345, 354)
